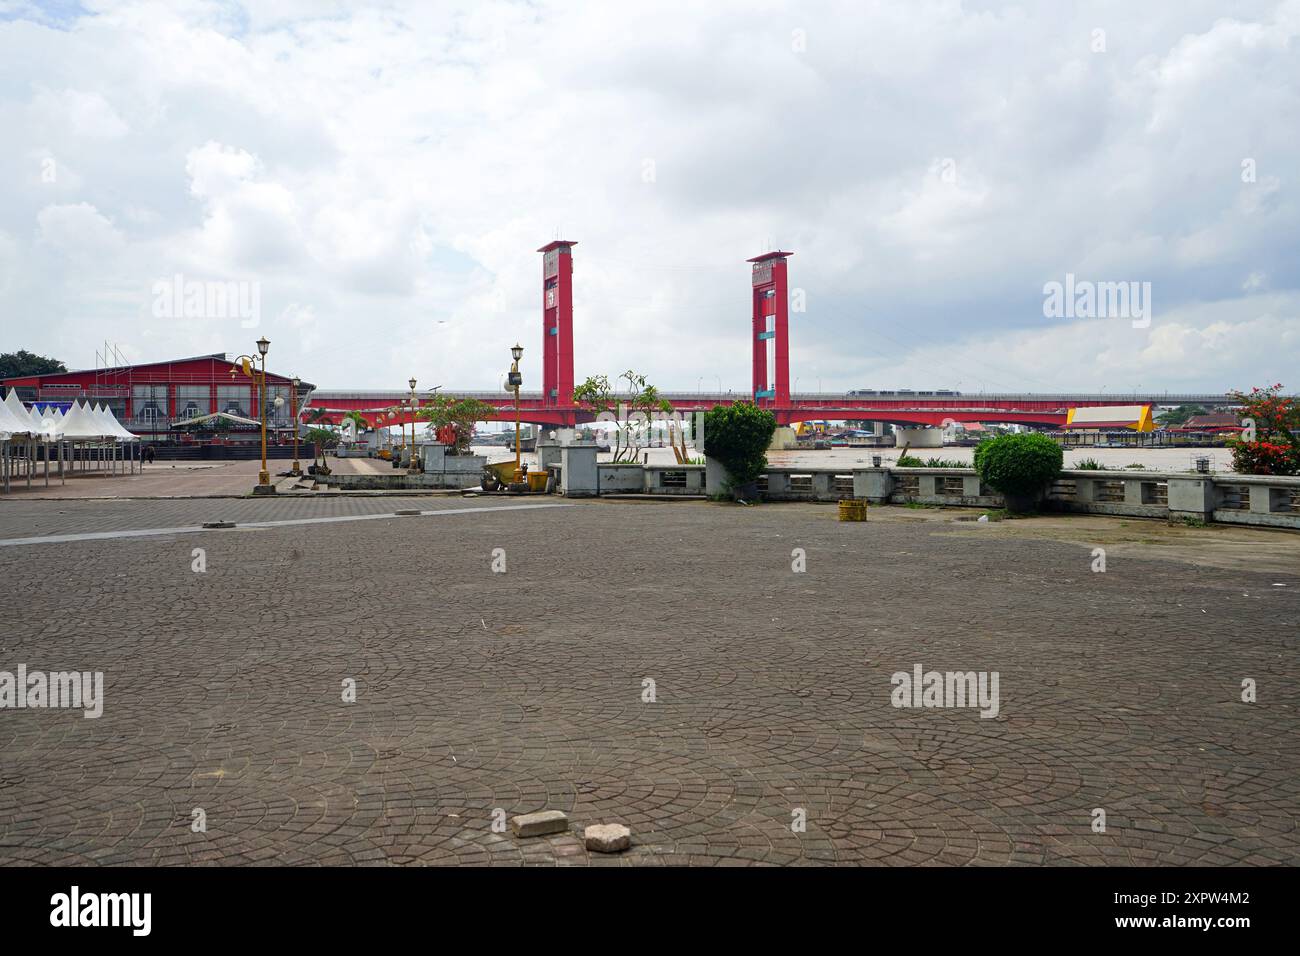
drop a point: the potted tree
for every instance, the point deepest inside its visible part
(1020, 466)
(321, 438)
(738, 436)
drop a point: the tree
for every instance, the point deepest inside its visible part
(632, 415)
(357, 419)
(1179, 415)
(443, 412)
(1268, 444)
(22, 362)
(1021, 466)
(738, 436)
(321, 439)
(595, 396)
(645, 403)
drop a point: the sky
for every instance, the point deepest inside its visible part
(371, 182)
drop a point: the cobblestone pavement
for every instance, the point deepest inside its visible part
(524, 690)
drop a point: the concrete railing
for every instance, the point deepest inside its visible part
(1234, 499)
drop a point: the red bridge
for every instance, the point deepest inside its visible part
(770, 303)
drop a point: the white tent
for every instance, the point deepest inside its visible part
(19, 411)
(86, 438)
(17, 433)
(11, 424)
(49, 423)
(112, 427)
(80, 424)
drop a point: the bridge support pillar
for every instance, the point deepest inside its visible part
(771, 329)
(557, 323)
(919, 437)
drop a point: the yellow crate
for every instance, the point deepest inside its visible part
(853, 509)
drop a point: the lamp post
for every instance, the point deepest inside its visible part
(514, 381)
(249, 365)
(414, 403)
(296, 470)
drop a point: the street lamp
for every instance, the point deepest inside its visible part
(296, 470)
(248, 364)
(414, 402)
(514, 381)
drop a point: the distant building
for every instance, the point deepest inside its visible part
(150, 398)
(1216, 422)
(1110, 418)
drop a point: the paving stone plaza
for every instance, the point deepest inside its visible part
(659, 665)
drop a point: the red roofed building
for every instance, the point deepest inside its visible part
(148, 399)
(1216, 422)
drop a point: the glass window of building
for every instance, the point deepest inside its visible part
(281, 415)
(149, 403)
(192, 400)
(235, 400)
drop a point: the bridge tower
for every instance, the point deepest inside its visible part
(557, 322)
(771, 329)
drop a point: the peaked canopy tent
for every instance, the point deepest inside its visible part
(17, 439)
(84, 439)
(100, 437)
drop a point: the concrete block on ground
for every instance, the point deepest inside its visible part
(579, 475)
(607, 837)
(540, 823)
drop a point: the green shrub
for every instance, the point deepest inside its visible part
(980, 450)
(1022, 464)
(738, 435)
(909, 461)
(1088, 464)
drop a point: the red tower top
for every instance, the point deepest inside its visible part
(557, 322)
(771, 333)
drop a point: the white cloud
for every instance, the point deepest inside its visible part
(78, 230)
(385, 173)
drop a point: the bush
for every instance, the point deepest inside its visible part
(1264, 458)
(738, 435)
(1088, 464)
(1019, 465)
(1270, 440)
(912, 461)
